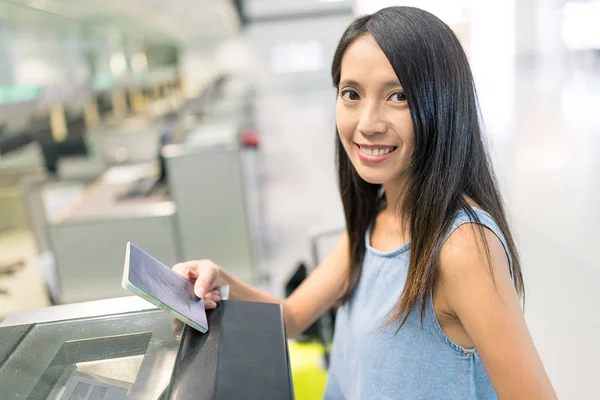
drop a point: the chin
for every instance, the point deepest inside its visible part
(373, 177)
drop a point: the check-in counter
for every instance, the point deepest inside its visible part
(89, 237)
(207, 210)
(209, 182)
(134, 141)
(124, 348)
(209, 207)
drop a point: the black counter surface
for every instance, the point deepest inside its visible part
(244, 355)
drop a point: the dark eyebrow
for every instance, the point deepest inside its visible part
(388, 84)
(349, 82)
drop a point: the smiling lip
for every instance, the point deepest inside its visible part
(373, 159)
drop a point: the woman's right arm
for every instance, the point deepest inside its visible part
(317, 293)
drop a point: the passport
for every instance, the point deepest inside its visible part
(160, 285)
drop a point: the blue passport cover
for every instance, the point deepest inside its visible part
(155, 282)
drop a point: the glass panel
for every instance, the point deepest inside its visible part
(124, 369)
(98, 393)
(116, 357)
(81, 391)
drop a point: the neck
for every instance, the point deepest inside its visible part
(394, 192)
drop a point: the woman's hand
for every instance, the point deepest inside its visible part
(205, 275)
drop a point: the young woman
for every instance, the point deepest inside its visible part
(427, 276)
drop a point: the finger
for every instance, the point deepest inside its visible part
(181, 270)
(214, 297)
(209, 304)
(205, 281)
(189, 270)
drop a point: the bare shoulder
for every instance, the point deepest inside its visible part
(464, 254)
(483, 298)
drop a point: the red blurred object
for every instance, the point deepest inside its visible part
(250, 139)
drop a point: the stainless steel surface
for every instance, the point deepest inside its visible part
(90, 254)
(87, 309)
(44, 197)
(101, 199)
(207, 184)
(132, 352)
(89, 239)
(129, 144)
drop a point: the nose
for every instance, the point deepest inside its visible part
(371, 121)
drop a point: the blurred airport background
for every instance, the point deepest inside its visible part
(205, 129)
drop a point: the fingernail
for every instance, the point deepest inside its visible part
(200, 292)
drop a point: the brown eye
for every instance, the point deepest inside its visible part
(350, 95)
(398, 96)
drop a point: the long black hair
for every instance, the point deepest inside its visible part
(450, 163)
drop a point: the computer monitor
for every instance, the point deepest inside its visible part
(53, 151)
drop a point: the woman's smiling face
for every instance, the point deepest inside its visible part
(372, 114)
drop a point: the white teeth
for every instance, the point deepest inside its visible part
(376, 152)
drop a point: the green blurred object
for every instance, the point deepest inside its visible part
(308, 374)
(10, 94)
(140, 76)
(104, 82)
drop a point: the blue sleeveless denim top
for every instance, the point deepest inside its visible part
(420, 362)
